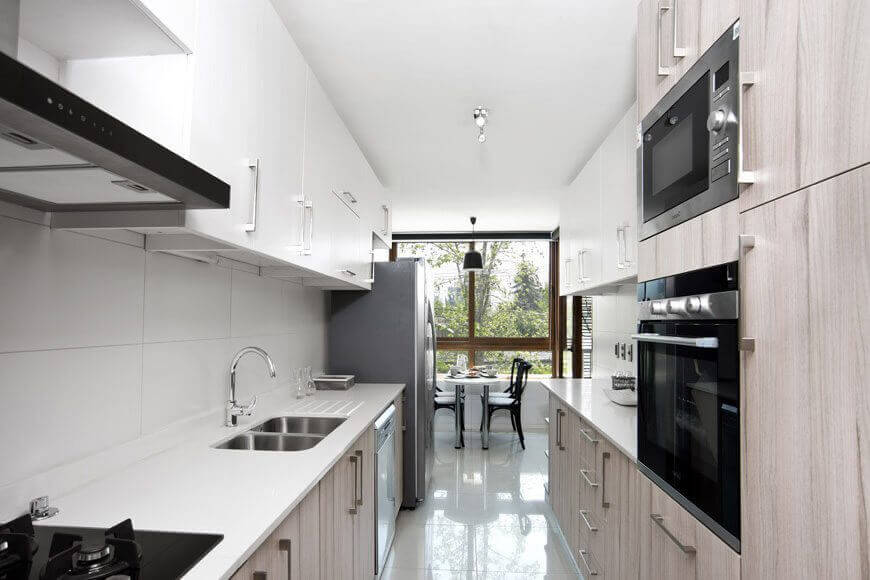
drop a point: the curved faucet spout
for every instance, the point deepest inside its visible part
(233, 409)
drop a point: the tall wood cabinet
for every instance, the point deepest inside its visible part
(806, 117)
(804, 393)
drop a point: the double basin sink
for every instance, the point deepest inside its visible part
(284, 434)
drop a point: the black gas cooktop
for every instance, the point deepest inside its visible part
(65, 553)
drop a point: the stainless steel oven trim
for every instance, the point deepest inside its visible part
(711, 524)
(713, 306)
(703, 342)
(720, 191)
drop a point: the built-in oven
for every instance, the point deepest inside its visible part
(687, 158)
(689, 394)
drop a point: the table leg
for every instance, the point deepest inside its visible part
(485, 417)
(457, 443)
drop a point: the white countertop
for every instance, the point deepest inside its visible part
(586, 397)
(243, 495)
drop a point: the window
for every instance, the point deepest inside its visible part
(494, 315)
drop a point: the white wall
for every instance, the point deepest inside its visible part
(102, 343)
(614, 320)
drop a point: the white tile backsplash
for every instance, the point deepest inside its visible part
(185, 300)
(102, 343)
(62, 405)
(614, 320)
(64, 290)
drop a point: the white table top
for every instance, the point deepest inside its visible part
(474, 380)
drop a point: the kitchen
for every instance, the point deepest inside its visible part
(301, 252)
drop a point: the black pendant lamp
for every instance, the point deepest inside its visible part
(473, 261)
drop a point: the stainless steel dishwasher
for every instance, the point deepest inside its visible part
(385, 484)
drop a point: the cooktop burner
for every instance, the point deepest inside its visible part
(119, 553)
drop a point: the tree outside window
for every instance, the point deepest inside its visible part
(495, 314)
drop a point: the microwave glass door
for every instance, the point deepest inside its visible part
(689, 422)
(676, 152)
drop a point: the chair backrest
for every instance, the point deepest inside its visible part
(521, 380)
(515, 367)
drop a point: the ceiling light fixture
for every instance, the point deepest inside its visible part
(480, 117)
(473, 261)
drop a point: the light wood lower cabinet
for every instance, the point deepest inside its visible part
(805, 400)
(592, 492)
(330, 535)
(703, 241)
(292, 551)
(674, 545)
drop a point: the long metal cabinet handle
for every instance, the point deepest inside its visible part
(386, 219)
(662, 8)
(359, 499)
(559, 415)
(585, 474)
(679, 52)
(372, 279)
(701, 342)
(260, 575)
(286, 545)
(354, 459)
(660, 522)
(254, 164)
(586, 434)
(586, 556)
(306, 209)
(620, 247)
(626, 261)
(585, 516)
(605, 458)
(582, 278)
(747, 79)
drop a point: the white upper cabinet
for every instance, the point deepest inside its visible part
(224, 114)
(279, 140)
(619, 200)
(598, 218)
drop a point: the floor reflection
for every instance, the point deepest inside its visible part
(485, 516)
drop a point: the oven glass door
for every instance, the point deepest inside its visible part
(676, 152)
(688, 416)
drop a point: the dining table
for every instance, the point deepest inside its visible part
(460, 385)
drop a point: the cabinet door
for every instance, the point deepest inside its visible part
(664, 527)
(552, 448)
(309, 536)
(279, 138)
(286, 553)
(364, 525)
(338, 495)
(654, 61)
(619, 200)
(587, 254)
(806, 117)
(804, 397)
(223, 112)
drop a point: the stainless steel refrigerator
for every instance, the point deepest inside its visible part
(388, 335)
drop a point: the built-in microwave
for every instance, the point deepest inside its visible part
(688, 422)
(687, 154)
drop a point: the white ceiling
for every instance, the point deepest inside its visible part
(405, 75)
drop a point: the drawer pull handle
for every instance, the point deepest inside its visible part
(605, 458)
(662, 70)
(585, 515)
(353, 509)
(286, 545)
(254, 165)
(359, 499)
(585, 474)
(587, 557)
(660, 522)
(559, 415)
(589, 437)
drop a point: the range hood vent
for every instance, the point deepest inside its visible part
(60, 153)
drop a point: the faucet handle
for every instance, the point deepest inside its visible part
(249, 408)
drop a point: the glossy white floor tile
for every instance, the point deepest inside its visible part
(485, 517)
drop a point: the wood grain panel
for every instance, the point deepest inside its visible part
(806, 415)
(807, 116)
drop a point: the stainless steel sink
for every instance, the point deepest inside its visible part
(251, 441)
(300, 425)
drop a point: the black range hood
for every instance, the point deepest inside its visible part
(60, 153)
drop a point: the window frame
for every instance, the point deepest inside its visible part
(473, 344)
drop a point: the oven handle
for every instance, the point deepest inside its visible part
(704, 342)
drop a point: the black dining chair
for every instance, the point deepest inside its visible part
(515, 364)
(447, 400)
(511, 403)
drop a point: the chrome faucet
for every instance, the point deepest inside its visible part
(233, 409)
